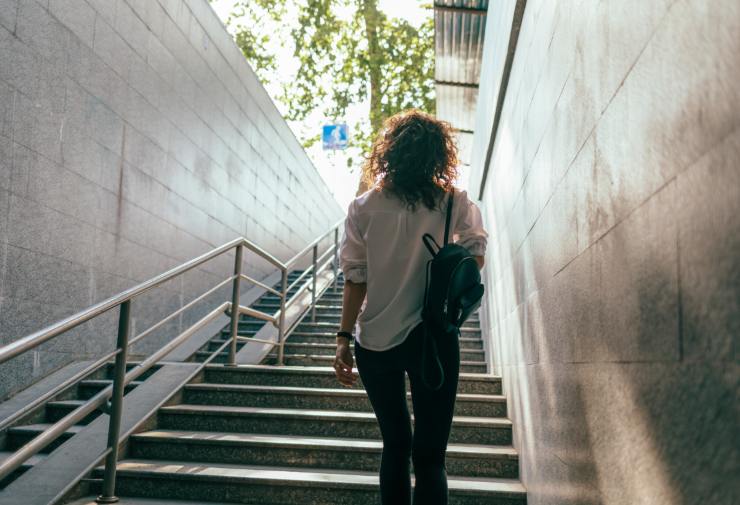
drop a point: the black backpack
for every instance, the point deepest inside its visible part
(453, 291)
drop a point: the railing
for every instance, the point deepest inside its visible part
(122, 378)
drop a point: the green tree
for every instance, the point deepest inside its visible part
(252, 20)
(347, 51)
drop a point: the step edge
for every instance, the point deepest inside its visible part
(299, 476)
(296, 441)
(495, 422)
(208, 386)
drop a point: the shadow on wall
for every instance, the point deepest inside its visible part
(545, 398)
(608, 406)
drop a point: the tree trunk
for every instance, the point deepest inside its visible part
(375, 58)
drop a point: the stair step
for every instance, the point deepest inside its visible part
(331, 347)
(317, 359)
(110, 369)
(218, 342)
(56, 410)
(324, 377)
(26, 465)
(90, 387)
(296, 359)
(127, 500)
(267, 309)
(304, 422)
(350, 400)
(226, 332)
(330, 337)
(250, 319)
(324, 327)
(221, 358)
(334, 315)
(322, 317)
(251, 324)
(18, 436)
(466, 342)
(472, 460)
(327, 305)
(278, 485)
(272, 298)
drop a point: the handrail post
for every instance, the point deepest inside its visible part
(114, 425)
(281, 321)
(235, 304)
(336, 257)
(313, 283)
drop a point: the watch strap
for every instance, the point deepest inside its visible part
(345, 334)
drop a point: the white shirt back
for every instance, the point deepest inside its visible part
(382, 246)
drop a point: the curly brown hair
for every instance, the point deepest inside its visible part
(414, 157)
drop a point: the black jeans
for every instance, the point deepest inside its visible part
(382, 374)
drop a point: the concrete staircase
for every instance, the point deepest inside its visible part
(62, 404)
(248, 325)
(292, 434)
(54, 410)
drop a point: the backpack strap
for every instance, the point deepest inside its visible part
(449, 216)
(429, 240)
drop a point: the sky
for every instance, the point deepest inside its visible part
(332, 165)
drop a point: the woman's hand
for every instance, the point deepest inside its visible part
(343, 363)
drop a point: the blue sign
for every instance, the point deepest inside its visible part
(335, 136)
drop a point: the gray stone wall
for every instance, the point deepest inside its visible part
(613, 275)
(133, 137)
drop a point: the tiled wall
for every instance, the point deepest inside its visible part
(133, 137)
(613, 276)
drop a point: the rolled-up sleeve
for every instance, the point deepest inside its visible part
(352, 250)
(469, 231)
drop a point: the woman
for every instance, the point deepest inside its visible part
(410, 172)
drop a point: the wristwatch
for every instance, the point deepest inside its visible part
(345, 334)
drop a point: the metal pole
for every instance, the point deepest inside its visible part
(116, 405)
(313, 283)
(336, 259)
(235, 304)
(281, 322)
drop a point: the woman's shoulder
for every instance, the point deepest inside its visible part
(372, 199)
(461, 198)
(461, 194)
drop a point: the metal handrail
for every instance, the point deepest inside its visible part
(62, 425)
(260, 284)
(24, 344)
(27, 409)
(306, 286)
(35, 339)
(179, 311)
(121, 377)
(298, 279)
(248, 311)
(291, 262)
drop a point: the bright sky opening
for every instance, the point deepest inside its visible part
(332, 165)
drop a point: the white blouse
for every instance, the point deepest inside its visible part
(382, 246)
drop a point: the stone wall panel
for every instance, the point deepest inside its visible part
(612, 270)
(133, 137)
